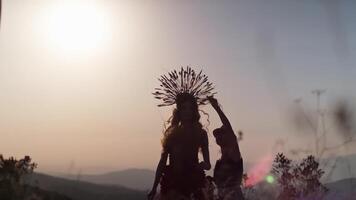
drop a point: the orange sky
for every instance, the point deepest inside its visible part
(78, 97)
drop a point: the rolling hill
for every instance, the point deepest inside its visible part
(79, 190)
(142, 179)
(139, 179)
(342, 189)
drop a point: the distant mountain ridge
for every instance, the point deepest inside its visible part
(139, 179)
(79, 190)
(342, 189)
(142, 179)
(344, 169)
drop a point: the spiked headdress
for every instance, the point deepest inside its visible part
(185, 82)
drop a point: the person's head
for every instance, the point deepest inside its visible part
(186, 112)
(187, 109)
(222, 137)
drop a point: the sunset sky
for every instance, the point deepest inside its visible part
(76, 76)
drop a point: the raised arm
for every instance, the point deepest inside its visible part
(221, 114)
(160, 167)
(234, 152)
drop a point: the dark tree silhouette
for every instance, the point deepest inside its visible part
(12, 169)
(298, 180)
(283, 169)
(11, 172)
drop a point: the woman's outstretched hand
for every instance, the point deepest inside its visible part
(151, 195)
(213, 102)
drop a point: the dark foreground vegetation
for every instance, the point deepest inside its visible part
(293, 180)
(11, 182)
(18, 182)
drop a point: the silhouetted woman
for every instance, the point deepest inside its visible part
(229, 168)
(184, 176)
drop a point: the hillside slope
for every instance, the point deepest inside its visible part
(79, 190)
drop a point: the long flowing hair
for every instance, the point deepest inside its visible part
(175, 121)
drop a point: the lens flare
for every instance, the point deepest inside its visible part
(259, 172)
(270, 179)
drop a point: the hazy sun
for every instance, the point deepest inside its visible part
(77, 27)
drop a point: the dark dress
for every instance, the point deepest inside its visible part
(183, 173)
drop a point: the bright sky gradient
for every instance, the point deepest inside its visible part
(75, 87)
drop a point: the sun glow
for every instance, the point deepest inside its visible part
(77, 28)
